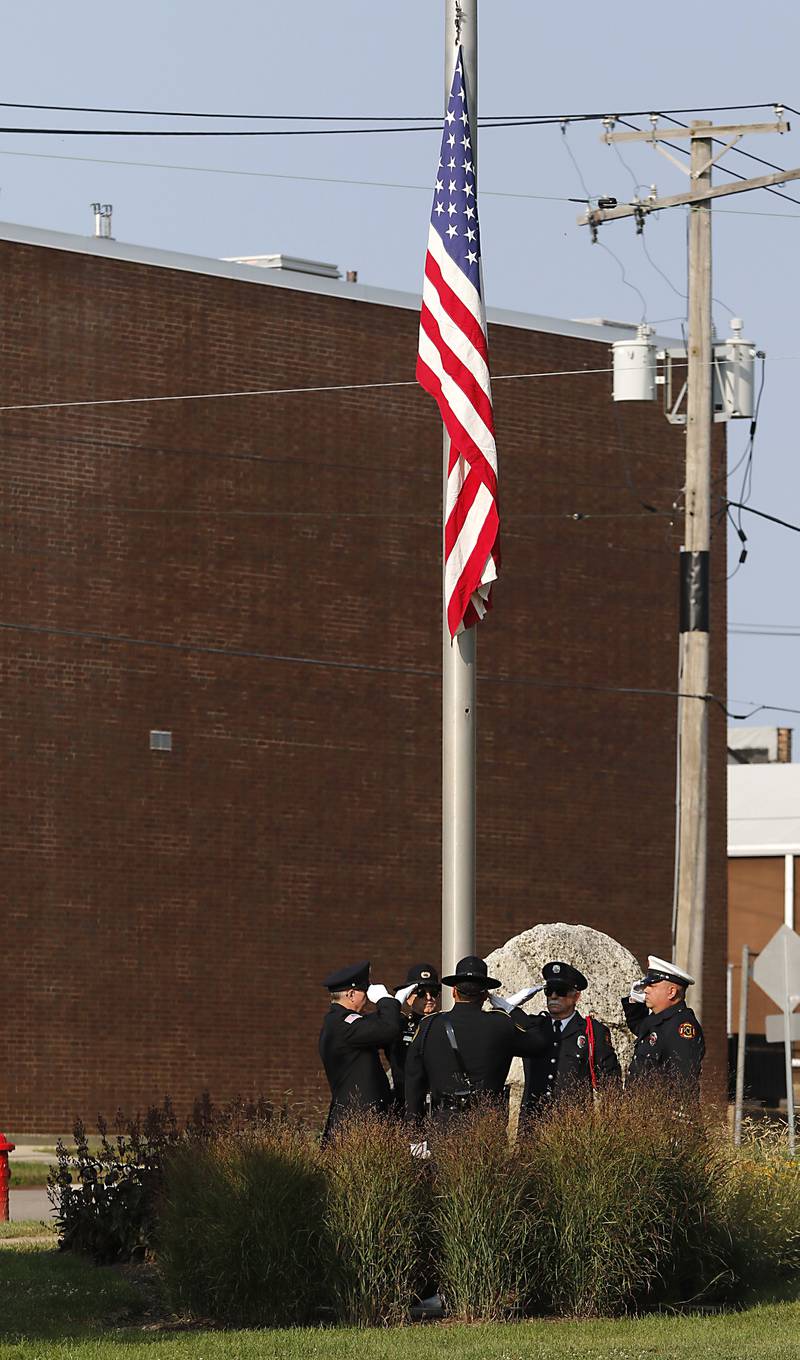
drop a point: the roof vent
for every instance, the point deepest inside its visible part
(102, 220)
(289, 263)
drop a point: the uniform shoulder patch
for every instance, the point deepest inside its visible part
(687, 1030)
(354, 1015)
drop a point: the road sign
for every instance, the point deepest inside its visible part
(777, 968)
(776, 1028)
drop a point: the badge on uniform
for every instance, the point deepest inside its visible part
(581, 1041)
(687, 1030)
(653, 1037)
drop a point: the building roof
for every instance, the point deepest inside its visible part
(108, 248)
(763, 810)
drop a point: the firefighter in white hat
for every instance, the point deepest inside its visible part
(669, 1036)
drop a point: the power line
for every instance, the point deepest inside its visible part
(344, 118)
(296, 391)
(327, 663)
(206, 512)
(762, 514)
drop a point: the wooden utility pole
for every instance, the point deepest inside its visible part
(691, 831)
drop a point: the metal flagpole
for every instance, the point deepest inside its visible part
(459, 659)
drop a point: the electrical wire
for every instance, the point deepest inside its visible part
(328, 663)
(673, 146)
(363, 117)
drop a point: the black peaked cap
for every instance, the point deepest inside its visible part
(355, 975)
(564, 972)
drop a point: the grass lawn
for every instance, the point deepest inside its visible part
(31, 1228)
(27, 1174)
(57, 1307)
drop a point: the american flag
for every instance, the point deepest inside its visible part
(453, 365)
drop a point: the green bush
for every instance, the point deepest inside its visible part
(105, 1200)
(627, 1206)
(759, 1206)
(378, 1220)
(106, 1191)
(242, 1235)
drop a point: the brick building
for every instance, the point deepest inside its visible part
(259, 577)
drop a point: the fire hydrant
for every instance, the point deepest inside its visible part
(5, 1176)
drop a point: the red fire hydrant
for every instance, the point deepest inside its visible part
(5, 1176)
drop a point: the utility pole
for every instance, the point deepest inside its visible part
(692, 822)
(459, 655)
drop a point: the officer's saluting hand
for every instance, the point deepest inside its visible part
(669, 1036)
(350, 1043)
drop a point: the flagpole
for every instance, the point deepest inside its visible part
(459, 656)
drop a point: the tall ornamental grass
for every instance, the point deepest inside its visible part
(378, 1216)
(487, 1210)
(628, 1205)
(242, 1235)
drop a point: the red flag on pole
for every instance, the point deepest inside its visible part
(453, 365)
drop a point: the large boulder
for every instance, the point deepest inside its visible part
(608, 966)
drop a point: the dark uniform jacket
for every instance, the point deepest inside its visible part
(397, 1053)
(349, 1045)
(670, 1044)
(564, 1065)
(487, 1041)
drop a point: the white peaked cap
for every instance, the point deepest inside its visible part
(671, 970)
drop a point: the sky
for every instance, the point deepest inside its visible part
(306, 196)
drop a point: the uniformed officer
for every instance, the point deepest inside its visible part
(419, 996)
(581, 1055)
(466, 1052)
(669, 1037)
(350, 1043)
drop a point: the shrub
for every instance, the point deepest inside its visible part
(109, 1213)
(378, 1221)
(486, 1215)
(758, 1206)
(242, 1236)
(106, 1195)
(626, 1202)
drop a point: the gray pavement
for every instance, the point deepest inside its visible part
(29, 1204)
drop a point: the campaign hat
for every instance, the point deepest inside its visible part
(472, 969)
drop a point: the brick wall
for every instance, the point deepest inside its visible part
(168, 916)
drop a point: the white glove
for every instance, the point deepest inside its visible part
(519, 998)
(636, 993)
(376, 992)
(403, 993)
(500, 1003)
(420, 1150)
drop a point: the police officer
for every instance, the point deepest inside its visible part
(350, 1043)
(419, 996)
(581, 1055)
(669, 1037)
(466, 1052)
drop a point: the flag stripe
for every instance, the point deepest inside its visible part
(453, 366)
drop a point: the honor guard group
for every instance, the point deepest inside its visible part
(441, 1063)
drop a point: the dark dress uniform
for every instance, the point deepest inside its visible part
(668, 1045)
(564, 1066)
(350, 1046)
(426, 978)
(487, 1041)
(397, 1054)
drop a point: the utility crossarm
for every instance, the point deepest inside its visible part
(594, 217)
(672, 134)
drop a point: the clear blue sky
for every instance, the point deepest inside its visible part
(375, 58)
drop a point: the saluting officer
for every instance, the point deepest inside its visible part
(419, 996)
(466, 1052)
(581, 1055)
(350, 1043)
(669, 1037)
